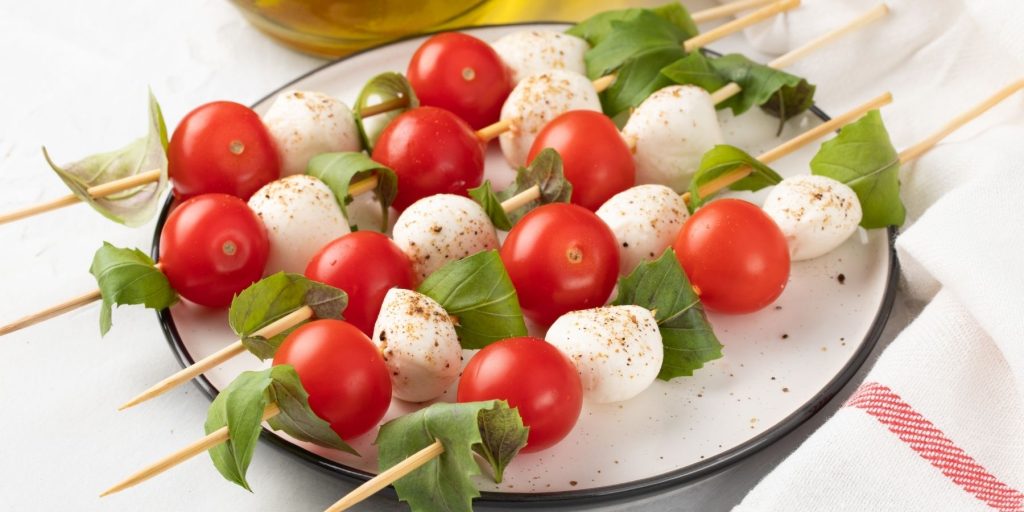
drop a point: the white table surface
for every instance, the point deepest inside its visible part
(73, 76)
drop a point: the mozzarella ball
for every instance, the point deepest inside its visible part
(535, 101)
(442, 228)
(305, 124)
(617, 350)
(301, 216)
(815, 213)
(529, 52)
(670, 132)
(645, 220)
(419, 344)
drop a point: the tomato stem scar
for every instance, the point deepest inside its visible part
(574, 254)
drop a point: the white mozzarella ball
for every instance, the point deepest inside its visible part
(535, 101)
(301, 216)
(442, 228)
(670, 132)
(305, 124)
(529, 52)
(645, 220)
(617, 350)
(419, 344)
(815, 213)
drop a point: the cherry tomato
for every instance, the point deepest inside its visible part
(433, 152)
(212, 247)
(595, 158)
(463, 74)
(221, 147)
(561, 257)
(343, 372)
(735, 255)
(366, 265)
(533, 375)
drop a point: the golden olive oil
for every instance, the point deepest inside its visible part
(333, 28)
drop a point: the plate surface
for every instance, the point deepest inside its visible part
(781, 364)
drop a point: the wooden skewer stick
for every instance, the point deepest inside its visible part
(213, 360)
(52, 311)
(702, 40)
(793, 144)
(103, 190)
(46, 314)
(808, 48)
(385, 106)
(922, 147)
(726, 10)
(389, 476)
(209, 441)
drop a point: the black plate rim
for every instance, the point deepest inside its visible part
(677, 478)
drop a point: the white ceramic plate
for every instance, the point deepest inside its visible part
(781, 364)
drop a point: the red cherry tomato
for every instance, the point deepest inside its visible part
(212, 247)
(221, 147)
(561, 258)
(595, 158)
(735, 255)
(534, 376)
(463, 74)
(343, 372)
(433, 152)
(366, 265)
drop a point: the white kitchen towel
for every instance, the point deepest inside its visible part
(938, 423)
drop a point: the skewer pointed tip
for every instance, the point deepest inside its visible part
(113, 490)
(136, 401)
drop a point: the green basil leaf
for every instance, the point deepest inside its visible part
(239, 407)
(782, 94)
(339, 170)
(445, 482)
(128, 276)
(638, 78)
(695, 69)
(644, 32)
(296, 418)
(133, 207)
(385, 87)
(677, 14)
(759, 83)
(790, 101)
(503, 435)
(488, 199)
(595, 28)
(662, 287)
(723, 159)
(863, 157)
(273, 297)
(545, 172)
(478, 292)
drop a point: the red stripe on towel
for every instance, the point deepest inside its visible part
(933, 445)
